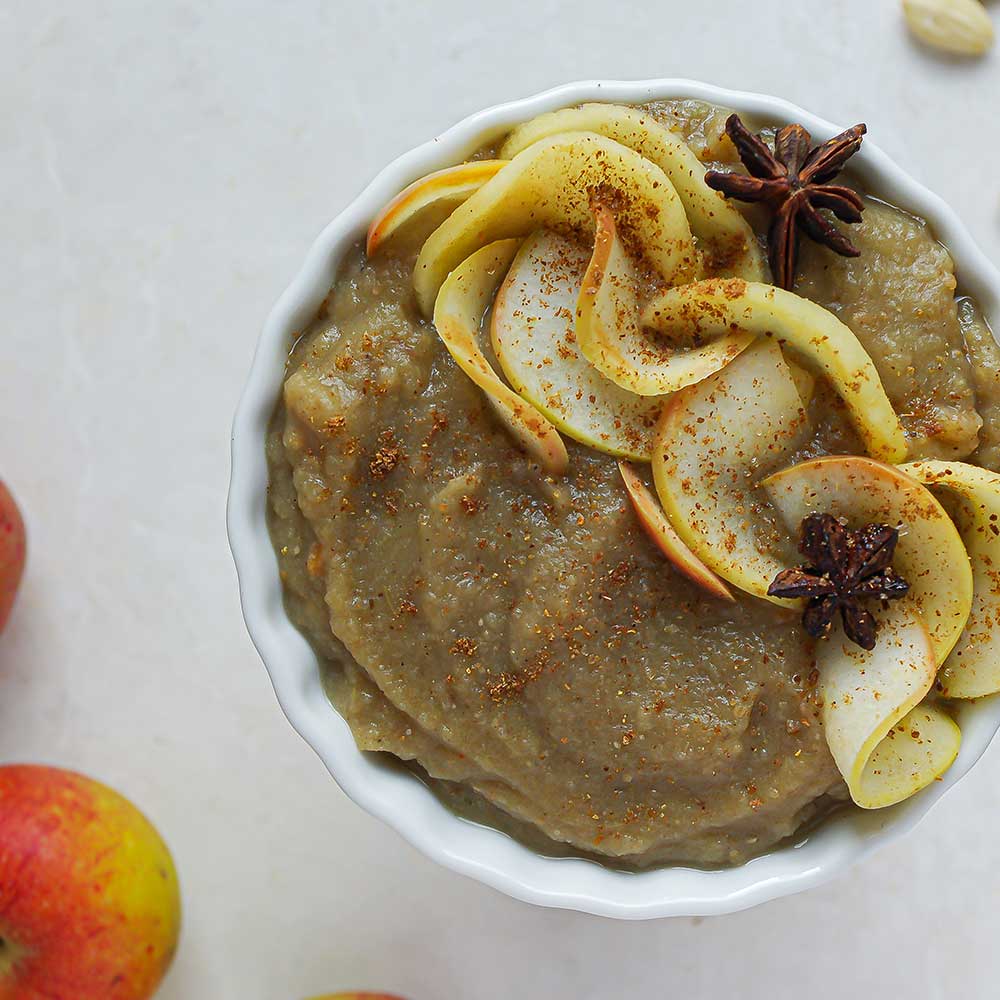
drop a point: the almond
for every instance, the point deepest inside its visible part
(960, 26)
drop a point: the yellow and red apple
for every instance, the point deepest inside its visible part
(714, 440)
(609, 332)
(663, 536)
(458, 313)
(442, 190)
(972, 669)
(548, 185)
(717, 307)
(533, 337)
(887, 742)
(89, 900)
(12, 552)
(724, 234)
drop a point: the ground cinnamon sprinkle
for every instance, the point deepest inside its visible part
(471, 505)
(464, 646)
(504, 686)
(384, 461)
(507, 684)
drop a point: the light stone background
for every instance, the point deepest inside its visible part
(164, 168)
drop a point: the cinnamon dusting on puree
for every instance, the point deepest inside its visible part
(654, 697)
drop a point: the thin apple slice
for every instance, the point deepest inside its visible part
(972, 670)
(929, 555)
(713, 443)
(551, 184)
(663, 536)
(458, 314)
(443, 190)
(607, 326)
(917, 751)
(534, 341)
(719, 306)
(885, 743)
(805, 382)
(730, 244)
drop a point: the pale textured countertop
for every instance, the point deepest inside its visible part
(165, 167)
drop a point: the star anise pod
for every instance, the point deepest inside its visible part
(793, 182)
(844, 568)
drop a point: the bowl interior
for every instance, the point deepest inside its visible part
(396, 796)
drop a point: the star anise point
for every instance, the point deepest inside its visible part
(793, 181)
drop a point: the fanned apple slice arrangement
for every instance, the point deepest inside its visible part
(627, 306)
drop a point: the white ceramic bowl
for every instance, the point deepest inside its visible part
(400, 799)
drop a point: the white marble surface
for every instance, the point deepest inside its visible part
(164, 168)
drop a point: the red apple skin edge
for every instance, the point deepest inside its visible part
(13, 549)
(89, 901)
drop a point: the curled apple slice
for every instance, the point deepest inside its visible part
(929, 555)
(719, 306)
(713, 442)
(732, 247)
(663, 536)
(441, 190)
(551, 184)
(972, 670)
(458, 314)
(885, 743)
(534, 341)
(607, 326)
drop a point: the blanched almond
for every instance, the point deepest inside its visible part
(960, 26)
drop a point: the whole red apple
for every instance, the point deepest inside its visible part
(12, 552)
(89, 902)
